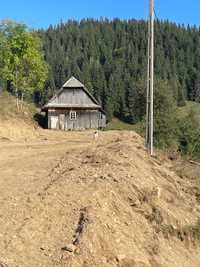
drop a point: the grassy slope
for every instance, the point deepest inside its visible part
(117, 124)
(16, 124)
(8, 108)
(183, 167)
(190, 106)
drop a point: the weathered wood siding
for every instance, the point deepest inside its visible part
(85, 119)
(72, 96)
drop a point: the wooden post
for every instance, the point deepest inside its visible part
(147, 95)
(150, 80)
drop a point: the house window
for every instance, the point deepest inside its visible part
(72, 115)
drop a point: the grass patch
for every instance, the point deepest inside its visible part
(190, 106)
(116, 124)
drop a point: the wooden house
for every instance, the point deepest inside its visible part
(74, 108)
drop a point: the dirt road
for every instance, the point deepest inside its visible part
(26, 168)
(66, 200)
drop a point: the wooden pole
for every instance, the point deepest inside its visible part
(147, 94)
(150, 80)
(151, 73)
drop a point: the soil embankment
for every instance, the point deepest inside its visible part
(67, 200)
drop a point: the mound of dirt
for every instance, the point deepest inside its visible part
(108, 205)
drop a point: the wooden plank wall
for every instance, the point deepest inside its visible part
(86, 119)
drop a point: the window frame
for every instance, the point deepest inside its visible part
(72, 115)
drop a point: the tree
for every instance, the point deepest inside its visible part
(136, 100)
(22, 62)
(189, 134)
(165, 123)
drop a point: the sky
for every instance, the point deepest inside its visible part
(42, 13)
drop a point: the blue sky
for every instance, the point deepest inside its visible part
(42, 13)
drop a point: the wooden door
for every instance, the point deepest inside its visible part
(62, 121)
(53, 122)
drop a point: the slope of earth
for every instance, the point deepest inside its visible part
(16, 123)
(67, 200)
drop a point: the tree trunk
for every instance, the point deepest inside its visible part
(17, 99)
(22, 101)
(16, 91)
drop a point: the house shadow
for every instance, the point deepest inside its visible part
(40, 118)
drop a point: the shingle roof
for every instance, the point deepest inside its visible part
(73, 82)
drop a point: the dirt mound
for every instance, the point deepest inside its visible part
(108, 205)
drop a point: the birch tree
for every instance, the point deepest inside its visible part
(22, 62)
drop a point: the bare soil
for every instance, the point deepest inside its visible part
(68, 200)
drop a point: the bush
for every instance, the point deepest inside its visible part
(189, 135)
(165, 110)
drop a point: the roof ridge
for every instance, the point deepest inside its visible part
(72, 83)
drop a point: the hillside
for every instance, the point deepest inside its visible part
(109, 57)
(117, 124)
(14, 123)
(190, 106)
(75, 202)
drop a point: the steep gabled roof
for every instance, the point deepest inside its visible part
(73, 83)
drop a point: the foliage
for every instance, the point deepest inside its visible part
(22, 64)
(165, 118)
(189, 134)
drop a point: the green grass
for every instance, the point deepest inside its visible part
(116, 124)
(190, 106)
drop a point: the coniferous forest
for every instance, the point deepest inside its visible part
(110, 58)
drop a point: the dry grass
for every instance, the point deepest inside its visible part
(187, 170)
(8, 108)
